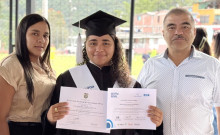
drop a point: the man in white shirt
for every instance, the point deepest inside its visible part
(187, 81)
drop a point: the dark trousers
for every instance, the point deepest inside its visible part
(25, 128)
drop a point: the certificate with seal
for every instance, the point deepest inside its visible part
(127, 108)
(87, 109)
(101, 111)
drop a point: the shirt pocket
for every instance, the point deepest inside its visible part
(197, 87)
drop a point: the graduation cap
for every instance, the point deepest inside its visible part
(99, 23)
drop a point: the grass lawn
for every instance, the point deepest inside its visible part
(61, 63)
(136, 65)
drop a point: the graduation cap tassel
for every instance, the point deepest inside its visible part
(79, 54)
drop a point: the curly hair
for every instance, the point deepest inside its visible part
(119, 66)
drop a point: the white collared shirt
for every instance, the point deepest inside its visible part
(185, 93)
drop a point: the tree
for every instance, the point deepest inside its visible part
(4, 23)
(75, 10)
(59, 32)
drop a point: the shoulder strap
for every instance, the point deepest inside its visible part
(83, 77)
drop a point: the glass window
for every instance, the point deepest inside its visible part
(204, 19)
(217, 19)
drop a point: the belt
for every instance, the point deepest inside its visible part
(24, 123)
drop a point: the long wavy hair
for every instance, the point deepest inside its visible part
(217, 45)
(22, 52)
(119, 66)
(200, 42)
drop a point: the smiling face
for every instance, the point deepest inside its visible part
(100, 49)
(37, 39)
(179, 32)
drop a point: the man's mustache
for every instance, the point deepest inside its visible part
(178, 37)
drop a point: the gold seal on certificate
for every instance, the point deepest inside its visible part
(101, 111)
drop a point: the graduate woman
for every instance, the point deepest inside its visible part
(105, 67)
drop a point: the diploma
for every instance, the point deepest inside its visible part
(87, 109)
(127, 108)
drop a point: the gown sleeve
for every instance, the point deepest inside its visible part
(137, 85)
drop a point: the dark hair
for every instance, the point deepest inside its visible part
(119, 66)
(217, 45)
(178, 11)
(22, 52)
(200, 42)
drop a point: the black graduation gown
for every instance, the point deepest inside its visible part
(103, 78)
